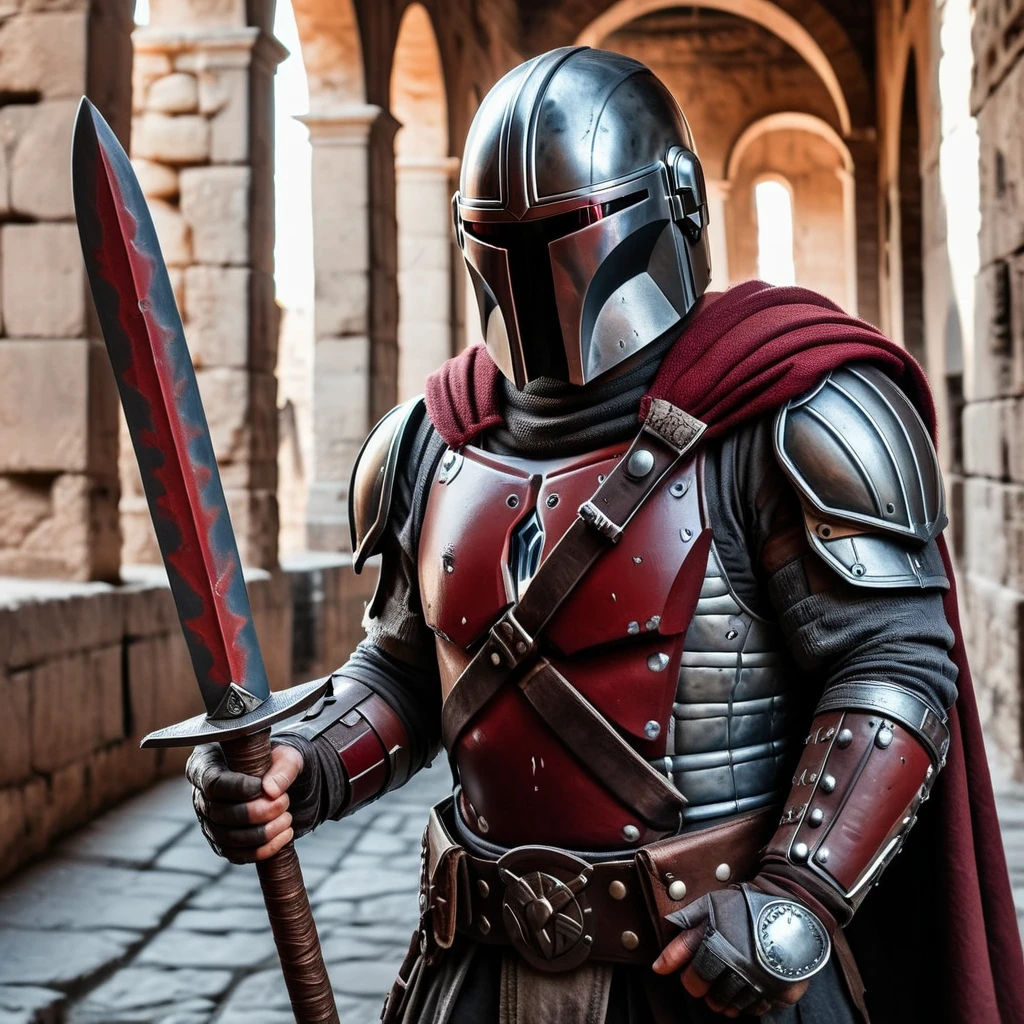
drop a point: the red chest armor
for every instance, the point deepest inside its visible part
(618, 638)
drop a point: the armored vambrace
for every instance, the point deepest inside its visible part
(869, 763)
(365, 733)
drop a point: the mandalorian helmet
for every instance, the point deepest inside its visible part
(582, 215)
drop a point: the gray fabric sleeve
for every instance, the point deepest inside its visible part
(836, 632)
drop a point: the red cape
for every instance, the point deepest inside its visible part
(939, 940)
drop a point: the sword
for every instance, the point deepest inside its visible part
(146, 344)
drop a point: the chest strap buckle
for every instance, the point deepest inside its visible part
(593, 516)
(511, 643)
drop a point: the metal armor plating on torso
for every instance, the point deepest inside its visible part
(713, 718)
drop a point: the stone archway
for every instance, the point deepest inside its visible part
(769, 15)
(423, 184)
(906, 243)
(819, 173)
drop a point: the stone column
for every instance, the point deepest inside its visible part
(423, 190)
(58, 405)
(203, 148)
(355, 301)
(867, 209)
(718, 196)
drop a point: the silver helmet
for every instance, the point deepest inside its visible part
(582, 215)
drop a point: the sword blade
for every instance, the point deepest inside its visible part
(146, 343)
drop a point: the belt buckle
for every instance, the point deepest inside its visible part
(546, 912)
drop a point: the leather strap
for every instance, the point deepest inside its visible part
(610, 759)
(667, 436)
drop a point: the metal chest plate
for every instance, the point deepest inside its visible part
(618, 638)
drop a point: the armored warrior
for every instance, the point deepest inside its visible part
(661, 569)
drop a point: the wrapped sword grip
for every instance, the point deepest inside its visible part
(284, 892)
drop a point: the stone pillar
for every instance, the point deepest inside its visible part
(993, 418)
(849, 187)
(718, 197)
(58, 404)
(867, 209)
(423, 190)
(355, 301)
(203, 148)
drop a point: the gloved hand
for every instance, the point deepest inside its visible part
(746, 950)
(244, 818)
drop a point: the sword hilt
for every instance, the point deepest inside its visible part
(284, 892)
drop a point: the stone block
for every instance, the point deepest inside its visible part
(990, 370)
(176, 93)
(161, 684)
(65, 725)
(254, 516)
(226, 398)
(215, 202)
(147, 66)
(149, 608)
(42, 280)
(230, 141)
(158, 181)
(44, 53)
(182, 139)
(105, 685)
(44, 416)
(173, 232)
(15, 751)
(37, 140)
(985, 439)
(205, 14)
(994, 628)
(217, 315)
(994, 531)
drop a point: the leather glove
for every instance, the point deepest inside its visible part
(243, 818)
(747, 950)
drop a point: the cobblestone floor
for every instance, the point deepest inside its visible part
(134, 921)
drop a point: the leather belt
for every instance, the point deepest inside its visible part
(558, 910)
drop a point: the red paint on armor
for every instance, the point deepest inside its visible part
(618, 638)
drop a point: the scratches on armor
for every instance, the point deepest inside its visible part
(732, 736)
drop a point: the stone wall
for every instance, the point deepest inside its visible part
(86, 670)
(993, 423)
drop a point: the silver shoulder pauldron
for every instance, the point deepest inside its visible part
(867, 475)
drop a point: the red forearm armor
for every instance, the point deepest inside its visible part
(869, 762)
(369, 737)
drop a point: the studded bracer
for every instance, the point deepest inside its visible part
(653, 637)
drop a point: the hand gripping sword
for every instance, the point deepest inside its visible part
(146, 344)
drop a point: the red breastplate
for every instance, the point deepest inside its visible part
(618, 638)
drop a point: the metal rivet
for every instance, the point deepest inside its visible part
(653, 622)
(723, 872)
(845, 738)
(630, 940)
(652, 730)
(930, 772)
(731, 635)
(857, 569)
(521, 647)
(495, 658)
(828, 783)
(817, 816)
(600, 478)
(484, 925)
(686, 534)
(630, 833)
(481, 823)
(641, 462)
(633, 628)
(483, 887)
(678, 489)
(423, 899)
(657, 662)
(552, 500)
(677, 890)
(890, 507)
(512, 500)
(799, 852)
(824, 531)
(617, 890)
(822, 855)
(884, 737)
(637, 560)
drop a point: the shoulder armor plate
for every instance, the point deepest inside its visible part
(861, 460)
(373, 477)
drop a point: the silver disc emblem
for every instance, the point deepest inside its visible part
(545, 911)
(791, 942)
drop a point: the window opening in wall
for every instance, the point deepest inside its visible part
(141, 12)
(774, 206)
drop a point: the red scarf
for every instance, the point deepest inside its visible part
(742, 354)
